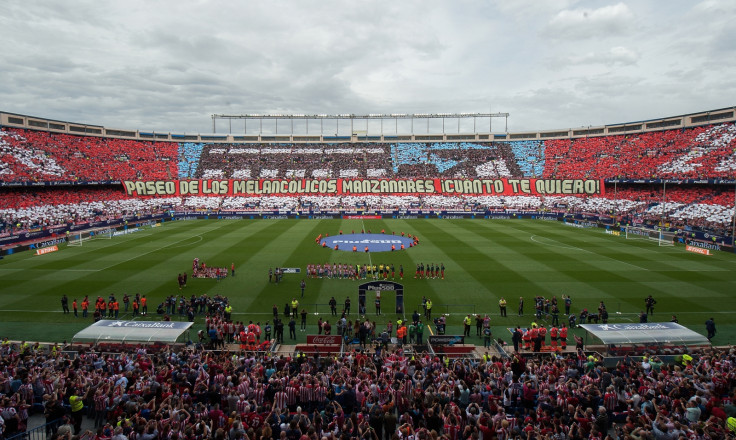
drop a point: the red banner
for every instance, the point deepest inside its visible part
(47, 250)
(323, 339)
(697, 250)
(346, 187)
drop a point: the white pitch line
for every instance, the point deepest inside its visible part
(120, 239)
(86, 250)
(692, 270)
(189, 244)
(154, 250)
(370, 262)
(562, 245)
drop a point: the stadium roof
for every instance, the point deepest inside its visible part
(132, 331)
(302, 134)
(645, 333)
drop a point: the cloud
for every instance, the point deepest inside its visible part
(585, 23)
(168, 65)
(616, 56)
(715, 8)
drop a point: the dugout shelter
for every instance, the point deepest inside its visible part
(622, 338)
(134, 332)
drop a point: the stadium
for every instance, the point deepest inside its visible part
(222, 241)
(369, 221)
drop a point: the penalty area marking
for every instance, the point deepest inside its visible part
(564, 246)
(144, 253)
(189, 244)
(555, 244)
(157, 249)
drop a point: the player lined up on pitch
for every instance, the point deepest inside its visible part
(202, 270)
(430, 271)
(343, 271)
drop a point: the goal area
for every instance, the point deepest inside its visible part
(77, 239)
(663, 238)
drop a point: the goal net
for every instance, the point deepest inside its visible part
(663, 238)
(78, 238)
(101, 234)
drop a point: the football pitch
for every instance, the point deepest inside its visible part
(484, 260)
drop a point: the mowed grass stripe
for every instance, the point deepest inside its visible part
(603, 259)
(127, 275)
(460, 289)
(59, 266)
(273, 250)
(484, 259)
(340, 288)
(693, 286)
(415, 289)
(648, 282)
(643, 253)
(155, 276)
(494, 266)
(564, 272)
(67, 263)
(161, 277)
(566, 269)
(527, 256)
(110, 251)
(221, 251)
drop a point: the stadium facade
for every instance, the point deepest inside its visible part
(675, 173)
(727, 114)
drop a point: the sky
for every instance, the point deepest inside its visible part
(552, 64)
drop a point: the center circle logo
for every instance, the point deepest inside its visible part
(374, 242)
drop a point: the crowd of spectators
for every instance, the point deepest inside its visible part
(530, 157)
(693, 153)
(32, 208)
(403, 160)
(374, 394)
(40, 156)
(30, 197)
(701, 152)
(469, 160)
(189, 154)
(29, 208)
(239, 161)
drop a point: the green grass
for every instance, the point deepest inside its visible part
(485, 259)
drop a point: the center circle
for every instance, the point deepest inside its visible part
(374, 242)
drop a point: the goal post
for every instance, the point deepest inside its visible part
(101, 234)
(75, 239)
(663, 238)
(667, 238)
(78, 238)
